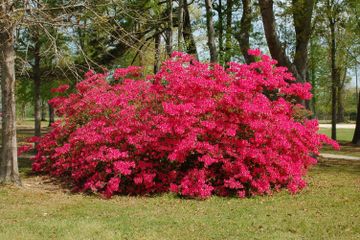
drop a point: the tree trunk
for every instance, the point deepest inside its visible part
(302, 14)
(43, 111)
(37, 84)
(333, 80)
(51, 115)
(356, 137)
(339, 99)
(187, 33)
(181, 24)
(339, 107)
(169, 32)
(9, 171)
(302, 21)
(243, 37)
(228, 32)
(276, 50)
(157, 53)
(210, 32)
(23, 111)
(220, 32)
(313, 83)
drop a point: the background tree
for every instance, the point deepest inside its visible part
(302, 15)
(243, 35)
(211, 31)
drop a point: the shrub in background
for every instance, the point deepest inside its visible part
(193, 129)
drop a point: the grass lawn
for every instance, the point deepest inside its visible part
(329, 208)
(31, 122)
(329, 121)
(344, 137)
(342, 134)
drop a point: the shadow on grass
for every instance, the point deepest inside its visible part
(338, 165)
(65, 183)
(347, 148)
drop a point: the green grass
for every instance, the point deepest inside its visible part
(329, 122)
(31, 122)
(328, 208)
(342, 134)
(24, 132)
(347, 148)
(344, 138)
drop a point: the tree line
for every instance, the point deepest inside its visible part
(48, 43)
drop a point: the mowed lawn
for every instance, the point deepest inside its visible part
(342, 134)
(344, 138)
(46, 208)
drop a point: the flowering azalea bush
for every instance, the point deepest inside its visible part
(193, 128)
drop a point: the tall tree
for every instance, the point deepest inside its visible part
(169, 32)
(356, 137)
(9, 171)
(228, 35)
(302, 15)
(355, 24)
(188, 33)
(219, 30)
(243, 36)
(180, 24)
(211, 31)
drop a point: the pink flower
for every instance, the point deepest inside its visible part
(254, 52)
(61, 88)
(24, 149)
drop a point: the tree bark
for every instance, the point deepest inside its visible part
(313, 83)
(220, 32)
(188, 34)
(339, 99)
(181, 24)
(51, 115)
(302, 21)
(276, 50)
(333, 79)
(210, 32)
(9, 171)
(43, 111)
(228, 32)
(356, 137)
(37, 84)
(302, 14)
(157, 53)
(169, 32)
(243, 37)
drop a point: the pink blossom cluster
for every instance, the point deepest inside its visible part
(193, 128)
(61, 89)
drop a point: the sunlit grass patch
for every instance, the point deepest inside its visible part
(342, 134)
(344, 138)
